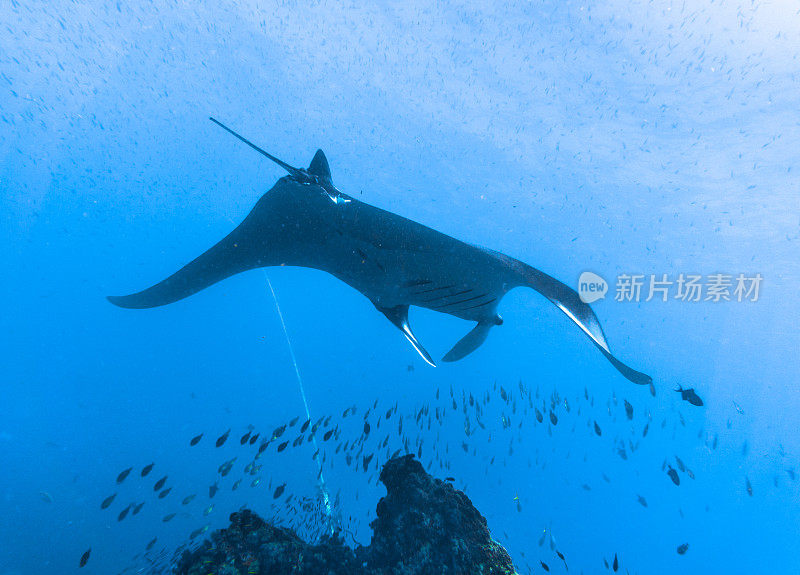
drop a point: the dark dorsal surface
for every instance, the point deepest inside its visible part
(395, 262)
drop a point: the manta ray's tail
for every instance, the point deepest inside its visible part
(223, 260)
(568, 301)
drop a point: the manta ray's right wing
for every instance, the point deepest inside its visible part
(568, 301)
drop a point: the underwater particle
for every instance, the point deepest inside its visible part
(85, 557)
(147, 469)
(124, 513)
(151, 544)
(597, 430)
(674, 476)
(212, 490)
(160, 483)
(642, 501)
(188, 499)
(749, 486)
(108, 501)
(682, 548)
(164, 493)
(195, 440)
(167, 518)
(279, 491)
(223, 438)
(690, 396)
(123, 474)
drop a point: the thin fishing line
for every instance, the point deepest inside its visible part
(326, 498)
(323, 486)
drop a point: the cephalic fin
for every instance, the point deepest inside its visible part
(398, 315)
(470, 342)
(291, 169)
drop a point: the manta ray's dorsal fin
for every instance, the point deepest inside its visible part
(319, 166)
(398, 315)
(291, 169)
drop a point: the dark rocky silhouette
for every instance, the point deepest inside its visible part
(424, 527)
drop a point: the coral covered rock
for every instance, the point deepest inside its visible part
(424, 527)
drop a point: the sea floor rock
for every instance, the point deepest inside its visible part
(424, 527)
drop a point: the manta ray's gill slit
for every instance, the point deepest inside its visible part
(447, 295)
(480, 304)
(416, 283)
(435, 289)
(469, 299)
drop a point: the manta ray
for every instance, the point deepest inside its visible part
(304, 220)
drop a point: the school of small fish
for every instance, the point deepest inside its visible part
(363, 439)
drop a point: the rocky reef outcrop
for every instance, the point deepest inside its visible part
(424, 526)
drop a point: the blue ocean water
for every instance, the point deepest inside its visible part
(621, 138)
